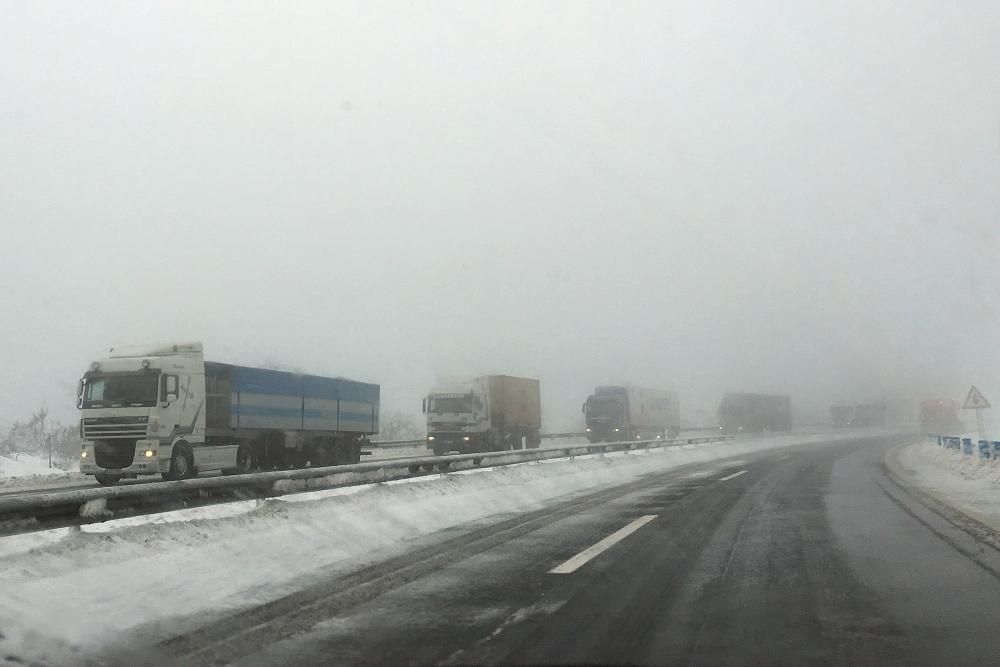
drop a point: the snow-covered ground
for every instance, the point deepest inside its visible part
(964, 482)
(31, 472)
(88, 587)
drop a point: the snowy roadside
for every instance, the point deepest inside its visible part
(133, 572)
(966, 483)
(32, 472)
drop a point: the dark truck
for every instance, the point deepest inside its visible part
(939, 416)
(858, 414)
(631, 413)
(755, 413)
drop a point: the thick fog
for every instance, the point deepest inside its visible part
(798, 198)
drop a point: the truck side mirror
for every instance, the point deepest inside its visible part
(424, 408)
(583, 408)
(79, 393)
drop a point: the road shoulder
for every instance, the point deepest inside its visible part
(954, 500)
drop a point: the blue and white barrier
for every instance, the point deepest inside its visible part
(988, 450)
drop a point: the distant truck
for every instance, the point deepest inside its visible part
(841, 414)
(164, 410)
(487, 414)
(858, 414)
(616, 413)
(755, 413)
(939, 416)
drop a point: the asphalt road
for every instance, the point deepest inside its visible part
(806, 555)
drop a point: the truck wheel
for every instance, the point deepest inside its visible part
(244, 461)
(181, 464)
(323, 454)
(107, 480)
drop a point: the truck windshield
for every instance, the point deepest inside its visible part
(731, 408)
(116, 391)
(443, 404)
(598, 408)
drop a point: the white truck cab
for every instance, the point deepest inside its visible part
(136, 405)
(488, 413)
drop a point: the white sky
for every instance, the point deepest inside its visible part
(798, 197)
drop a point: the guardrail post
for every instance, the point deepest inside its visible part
(967, 446)
(996, 449)
(984, 449)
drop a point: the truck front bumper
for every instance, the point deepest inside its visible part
(146, 460)
(463, 443)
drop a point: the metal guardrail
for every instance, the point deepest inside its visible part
(395, 444)
(41, 511)
(399, 444)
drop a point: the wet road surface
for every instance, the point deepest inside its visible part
(805, 555)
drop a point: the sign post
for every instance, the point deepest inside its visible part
(976, 401)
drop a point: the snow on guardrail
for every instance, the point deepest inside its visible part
(39, 511)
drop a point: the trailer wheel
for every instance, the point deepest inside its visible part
(324, 454)
(107, 480)
(244, 461)
(181, 463)
(534, 440)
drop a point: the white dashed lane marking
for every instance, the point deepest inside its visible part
(591, 552)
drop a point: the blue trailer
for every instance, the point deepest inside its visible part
(292, 420)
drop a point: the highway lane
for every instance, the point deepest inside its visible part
(801, 555)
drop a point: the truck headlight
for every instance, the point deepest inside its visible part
(617, 429)
(83, 454)
(588, 430)
(430, 437)
(150, 453)
(466, 438)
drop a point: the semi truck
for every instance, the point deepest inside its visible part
(616, 413)
(858, 414)
(754, 413)
(841, 414)
(939, 416)
(164, 410)
(487, 414)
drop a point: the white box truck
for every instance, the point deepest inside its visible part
(487, 414)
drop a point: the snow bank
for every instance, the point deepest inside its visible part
(967, 483)
(31, 472)
(135, 571)
(23, 466)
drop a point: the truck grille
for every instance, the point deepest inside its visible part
(114, 455)
(104, 428)
(448, 426)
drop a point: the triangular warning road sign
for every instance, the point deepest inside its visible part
(975, 401)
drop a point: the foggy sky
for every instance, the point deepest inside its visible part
(790, 197)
